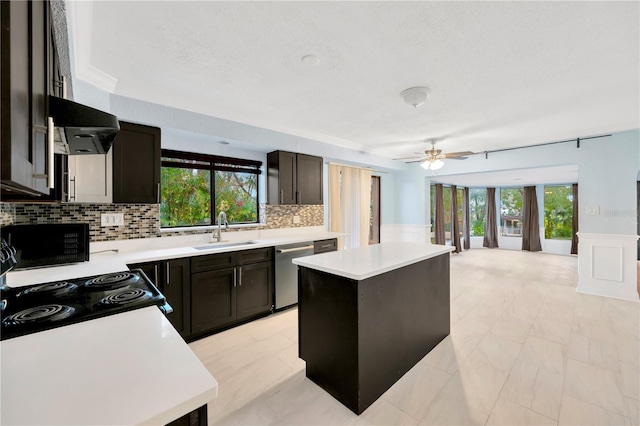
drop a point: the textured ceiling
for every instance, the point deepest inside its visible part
(501, 74)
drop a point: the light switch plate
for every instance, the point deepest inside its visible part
(593, 210)
(296, 219)
(112, 219)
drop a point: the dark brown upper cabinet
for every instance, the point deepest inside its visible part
(136, 164)
(27, 79)
(294, 178)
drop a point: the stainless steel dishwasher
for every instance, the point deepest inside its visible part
(287, 272)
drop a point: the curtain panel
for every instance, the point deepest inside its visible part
(490, 224)
(455, 227)
(439, 231)
(574, 220)
(531, 221)
(465, 220)
(349, 203)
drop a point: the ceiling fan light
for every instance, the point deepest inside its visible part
(432, 165)
(415, 96)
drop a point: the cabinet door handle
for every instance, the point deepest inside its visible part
(68, 187)
(289, 250)
(281, 196)
(50, 158)
(327, 246)
(155, 270)
(234, 276)
(240, 277)
(72, 197)
(168, 276)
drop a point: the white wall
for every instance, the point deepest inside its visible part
(607, 176)
(607, 249)
(607, 167)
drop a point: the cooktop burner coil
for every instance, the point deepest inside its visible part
(124, 297)
(39, 314)
(112, 281)
(55, 289)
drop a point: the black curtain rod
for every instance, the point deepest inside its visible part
(577, 140)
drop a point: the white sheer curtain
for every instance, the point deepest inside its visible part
(349, 204)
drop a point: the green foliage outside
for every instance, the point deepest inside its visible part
(186, 197)
(236, 195)
(558, 212)
(477, 211)
(511, 202)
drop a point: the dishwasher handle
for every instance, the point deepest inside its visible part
(290, 250)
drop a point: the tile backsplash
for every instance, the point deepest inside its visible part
(7, 213)
(143, 220)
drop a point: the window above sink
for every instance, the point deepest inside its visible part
(196, 187)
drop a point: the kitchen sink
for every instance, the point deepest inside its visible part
(225, 245)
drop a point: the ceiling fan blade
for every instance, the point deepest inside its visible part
(457, 158)
(417, 161)
(409, 158)
(459, 154)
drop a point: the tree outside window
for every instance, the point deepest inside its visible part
(477, 211)
(195, 185)
(511, 211)
(446, 195)
(558, 212)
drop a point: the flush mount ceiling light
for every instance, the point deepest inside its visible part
(432, 164)
(415, 96)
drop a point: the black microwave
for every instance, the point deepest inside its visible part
(48, 244)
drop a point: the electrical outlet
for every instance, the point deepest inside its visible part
(112, 219)
(296, 219)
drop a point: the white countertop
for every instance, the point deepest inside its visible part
(128, 368)
(365, 262)
(124, 369)
(152, 249)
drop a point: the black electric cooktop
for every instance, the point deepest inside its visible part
(40, 307)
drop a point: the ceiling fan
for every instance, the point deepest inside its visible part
(432, 158)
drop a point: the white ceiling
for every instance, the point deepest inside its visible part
(501, 74)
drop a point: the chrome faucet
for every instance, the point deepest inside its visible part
(222, 216)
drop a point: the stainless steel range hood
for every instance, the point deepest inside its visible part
(81, 130)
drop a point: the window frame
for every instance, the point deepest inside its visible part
(213, 164)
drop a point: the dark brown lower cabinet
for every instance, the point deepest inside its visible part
(254, 290)
(213, 302)
(172, 277)
(223, 296)
(197, 417)
(212, 292)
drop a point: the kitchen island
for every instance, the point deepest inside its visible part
(367, 315)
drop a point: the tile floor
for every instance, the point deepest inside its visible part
(524, 349)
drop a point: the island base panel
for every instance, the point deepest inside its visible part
(359, 337)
